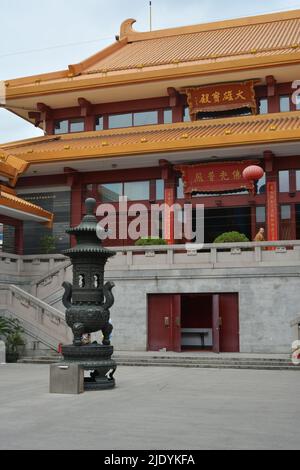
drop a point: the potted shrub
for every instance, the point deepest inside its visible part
(5, 327)
(148, 241)
(14, 342)
(48, 244)
(231, 237)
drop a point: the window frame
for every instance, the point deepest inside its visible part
(69, 121)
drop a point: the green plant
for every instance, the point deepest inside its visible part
(148, 241)
(5, 327)
(48, 244)
(14, 341)
(12, 333)
(231, 237)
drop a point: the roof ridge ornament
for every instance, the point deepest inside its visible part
(126, 28)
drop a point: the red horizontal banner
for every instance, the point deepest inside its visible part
(215, 177)
(222, 97)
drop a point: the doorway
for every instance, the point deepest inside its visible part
(196, 322)
(199, 322)
(218, 221)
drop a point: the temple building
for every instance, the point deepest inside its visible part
(173, 116)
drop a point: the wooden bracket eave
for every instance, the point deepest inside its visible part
(174, 97)
(45, 111)
(86, 107)
(271, 85)
(36, 116)
(269, 161)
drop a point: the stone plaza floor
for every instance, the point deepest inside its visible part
(152, 409)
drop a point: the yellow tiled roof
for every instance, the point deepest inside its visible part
(218, 133)
(221, 43)
(11, 167)
(146, 56)
(10, 200)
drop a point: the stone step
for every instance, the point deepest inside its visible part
(209, 363)
(204, 360)
(212, 366)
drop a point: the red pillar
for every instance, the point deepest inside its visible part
(272, 189)
(273, 96)
(169, 218)
(169, 178)
(272, 210)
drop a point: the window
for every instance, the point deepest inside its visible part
(263, 106)
(99, 123)
(134, 191)
(261, 185)
(298, 180)
(186, 114)
(285, 105)
(180, 189)
(76, 125)
(168, 116)
(285, 212)
(260, 215)
(160, 190)
(145, 119)
(89, 190)
(66, 126)
(110, 192)
(61, 127)
(137, 191)
(284, 181)
(120, 120)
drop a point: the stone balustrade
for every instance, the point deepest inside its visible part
(225, 255)
(42, 269)
(30, 266)
(39, 320)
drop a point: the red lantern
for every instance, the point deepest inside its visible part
(253, 173)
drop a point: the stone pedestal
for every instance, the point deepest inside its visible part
(96, 359)
(2, 353)
(66, 379)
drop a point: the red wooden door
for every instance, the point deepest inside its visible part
(229, 323)
(164, 322)
(216, 323)
(176, 323)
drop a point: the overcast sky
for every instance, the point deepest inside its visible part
(38, 36)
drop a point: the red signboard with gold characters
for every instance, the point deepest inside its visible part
(215, 177)
(221, 97)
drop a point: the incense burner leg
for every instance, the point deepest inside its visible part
(107, 331)
(78, 331)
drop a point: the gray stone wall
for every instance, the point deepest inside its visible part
(269, 299)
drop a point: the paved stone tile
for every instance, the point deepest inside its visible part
(152, 408)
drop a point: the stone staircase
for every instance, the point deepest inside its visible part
(200, 361)
(44, 326)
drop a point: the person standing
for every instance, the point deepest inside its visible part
(260, 236)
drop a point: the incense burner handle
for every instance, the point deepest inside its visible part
(109, 297)
(67, 295)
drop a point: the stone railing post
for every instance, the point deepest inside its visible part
(213, 255)
(129, 258)
(258, 254)
(170, 256)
